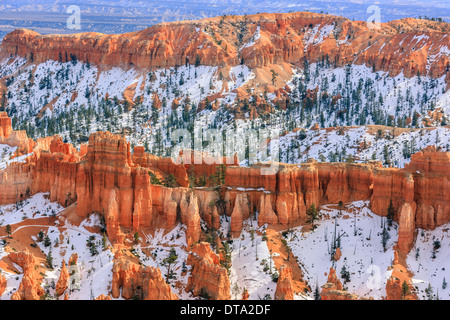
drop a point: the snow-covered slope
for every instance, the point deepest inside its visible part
(75, 99)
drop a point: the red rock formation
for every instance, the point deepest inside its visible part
(15, 182)
(63, 281)
(284, 289)
(5, 125)
(208, 278)
(103, 297)
(191, 218)
(431, 172)
(240, 213)
(337, 254)
(391, 184)
(393, 289)
(135, 281)
(73, 259)
(107, 182)
(12, 138)
(29, 288)
(245, 295)
(285, 39)
(3, 283)
(55, 172)
(329, 292)
(406, 229)
(332, 290)
(266, 213)
(332, 278)
(108, 179)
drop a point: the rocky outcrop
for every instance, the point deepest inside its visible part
(12, 138)
(329, 292)
(208, 279)
(191, 218)
(73, 259)
(333, 290)
(133, 281)
(105, 177)
(407, 228)
(240, 213)
(266, 213)
(337, 254)
(332, 278)
(259, 41)
(29, 288)
(431, 171)
(5, 126)
(3, 283)
(107, 182)
(103, 297)
(393, 289)
(284, 289)
(55, 172)
(63, 281)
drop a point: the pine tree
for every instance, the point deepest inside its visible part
(390, 213)
(40, 236)
(313, 215)
(47, 241)
(345, 274)
(169, 262)
(385, 236)
(104, 241)
(8, 230)
(226, 262)
(405, 290)
(136, 238)
(49, 260)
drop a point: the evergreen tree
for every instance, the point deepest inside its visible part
(49, 260)
(168, 262)
(405, 290)
(104, 241)
(8, 230)
(390, 213)
(47, 241)
(136, 238)
(313, 215)
(384, 237)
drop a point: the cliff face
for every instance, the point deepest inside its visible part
(284, 289)
(29, 288)
(3, 283)
(5, 125)
(132, 281)
(12, 138)
(104, 177)
(259, 41)
(208, 278)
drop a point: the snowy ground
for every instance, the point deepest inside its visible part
(93, 274)
(361, 247)
(362, 253)
(6, 152)
(251, 264)
(360, 144)
(37, 206)
(428, 268)
(160, 245)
